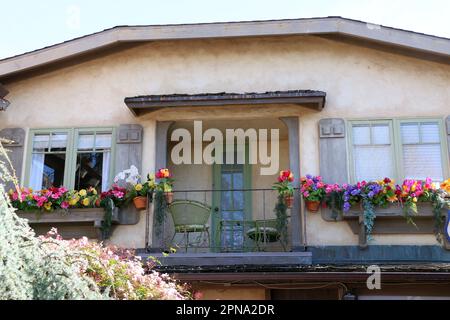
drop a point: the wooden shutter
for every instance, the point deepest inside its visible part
(16, 149)
(128, 153)
(333, 155)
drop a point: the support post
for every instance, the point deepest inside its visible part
(292, 124)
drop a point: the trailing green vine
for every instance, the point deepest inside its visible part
(107, 219)
(281, 220)
(369, 217)
(335, 202)
(160, 209)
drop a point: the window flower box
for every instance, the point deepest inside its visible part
(69, 218)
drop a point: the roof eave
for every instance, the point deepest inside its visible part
(314, 26)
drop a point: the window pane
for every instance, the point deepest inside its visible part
(86, 142)
(421, 161)
(103, 141)
(90, 170)
(59, 142)
(410, 133)
(47, 170)
(40, 142)
(381, 134)
(430, 132)
(361, 135)
(373, 163)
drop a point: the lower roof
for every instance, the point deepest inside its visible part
(308, 98)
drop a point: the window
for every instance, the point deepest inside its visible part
(421, 150)
(401, 149)
(75, 158)
(48, 160)
(93, 160)
(373, 154)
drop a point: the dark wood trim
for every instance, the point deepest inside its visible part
(248, 277)
(306, 98)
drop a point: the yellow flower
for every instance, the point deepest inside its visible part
(414, 199)
(47, 206)
(93, 190)
(82, 192)
(138, 187)
(10, 192)
(85, 202)
(74, 201)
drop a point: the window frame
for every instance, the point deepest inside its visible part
(71, 150)
(397, 145)
(351, 157)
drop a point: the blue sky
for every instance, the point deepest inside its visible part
(27, 25)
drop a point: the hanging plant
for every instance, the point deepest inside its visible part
(281, 220)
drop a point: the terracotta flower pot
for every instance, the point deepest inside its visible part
(140, 202)
(312, 206)
(169, 197)
(289, 201)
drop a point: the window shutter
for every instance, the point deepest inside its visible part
(16, 150)
(128, 153)
(333, 156)
(333, 151)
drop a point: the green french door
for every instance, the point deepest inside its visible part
(231, 206)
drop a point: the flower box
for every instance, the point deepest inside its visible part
(391, 220)
(76, 221)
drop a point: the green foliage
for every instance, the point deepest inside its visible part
(281, 220)
(335, 202)
(369, 217)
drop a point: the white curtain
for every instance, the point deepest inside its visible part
(105, 170)
(37, 171)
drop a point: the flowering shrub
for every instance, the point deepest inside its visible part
(118, 272)
(312, 188)
(284, 185)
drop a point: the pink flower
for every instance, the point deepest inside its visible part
(64, 204)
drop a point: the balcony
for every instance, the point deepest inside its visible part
(226, 227)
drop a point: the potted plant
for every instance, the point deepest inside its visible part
(136, 190)
(313, 191)
(165, 183)
(285, 188)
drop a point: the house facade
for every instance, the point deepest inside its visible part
(343, 99)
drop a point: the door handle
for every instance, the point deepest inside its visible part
(216, 209)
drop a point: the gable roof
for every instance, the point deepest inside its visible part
(411, 41)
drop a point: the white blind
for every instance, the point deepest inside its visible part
(422, 156)
(372, 151)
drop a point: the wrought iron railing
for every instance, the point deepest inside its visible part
(225, 220)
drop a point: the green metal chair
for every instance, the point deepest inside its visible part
(190, 216)
(263, 232)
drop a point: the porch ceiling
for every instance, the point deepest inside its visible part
(307, 98)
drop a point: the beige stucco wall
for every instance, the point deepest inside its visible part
(360, 82)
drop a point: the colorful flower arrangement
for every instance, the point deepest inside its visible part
(61, 198)
(313, 190)
(285, 187)
(370, 195)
